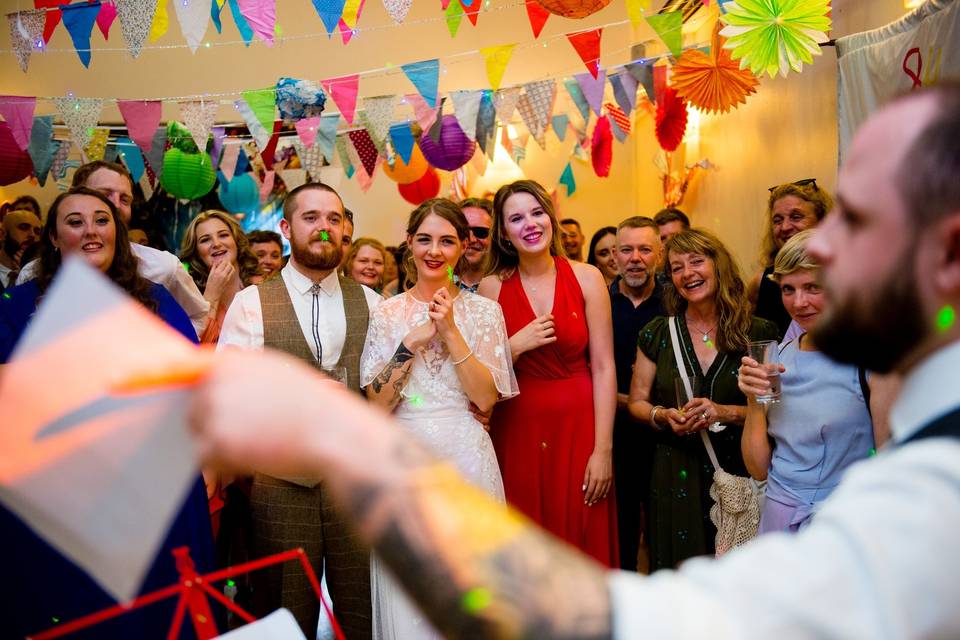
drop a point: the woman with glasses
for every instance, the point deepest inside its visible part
(791, 208)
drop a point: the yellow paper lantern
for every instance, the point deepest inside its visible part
(406, 173)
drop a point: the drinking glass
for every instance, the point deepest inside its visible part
(681, 390)
(338, 374)
(767, 354)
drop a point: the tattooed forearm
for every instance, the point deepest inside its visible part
(401, 356)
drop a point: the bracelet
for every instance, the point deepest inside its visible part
(653, 417)
(463, 359)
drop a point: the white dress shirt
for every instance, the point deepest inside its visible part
(880, 559)
(165, 269)
(243, 324)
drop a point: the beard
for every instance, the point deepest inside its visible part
(875, 333)
(635, 282)
(10, 247)
(328, 257)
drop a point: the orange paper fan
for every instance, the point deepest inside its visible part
(712, 82)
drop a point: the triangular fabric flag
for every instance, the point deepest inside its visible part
(41, 148)
(365, 149)
(298, 99)
(97, 146)
(344, 90)
(246, 31)
(592, 88)
(52, 18)
(330, 12)
(293, 178)
(161, 21)
(228, 161)
(261, 15)
(327, 134)
(505, 102)
(376, 117)
(624, 91)
(422, 112)
(669, 27)
(454, 16)
(425, 76)
(198, 116)
(218, 134)
(259, 133)
(505, 141)
(566, 179)
(537, 16)
(80, 115)
(312, 159)
(635, 9)
(351, 12)
(111, 153)
(659, 82)
(108, 13)
(466, 105)
(142, 118)
(154, 157)
(587, 44)
(194, 18)
(263, 103)
(560, 124)
(307, 130)
(643, 73)
(344, 156)
(496, 59)
(403, 141)
(58, 169)
(576, 94)
(346, 34)
(601, 149)
(266, 187)
(486, 123)
(215, 9)
(536, 106)
(79, 20)
(18, 112)
(618, 133)
(135, 18)
(269, 153)
(479, 162)
(26, 29)
(472, 12)
(129, 154)
(398, 9)
(620, 118)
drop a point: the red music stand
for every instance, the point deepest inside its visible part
(193, 590)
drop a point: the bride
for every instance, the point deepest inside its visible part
(431, 352)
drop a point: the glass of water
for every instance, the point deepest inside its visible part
(767, 355)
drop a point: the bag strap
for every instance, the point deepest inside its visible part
(682, 369)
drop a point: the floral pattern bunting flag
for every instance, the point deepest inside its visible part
(95, 149)
(398, 9)
(26, 30)
(505, 102)
(135, 17)
(198, 116)
(376, 117)
(80, 115)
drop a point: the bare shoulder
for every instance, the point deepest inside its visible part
(490, 287)
(589, 277)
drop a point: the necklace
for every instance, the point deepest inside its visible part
(705, 334)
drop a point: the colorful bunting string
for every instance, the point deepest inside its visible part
(496, 60)
(587, 45)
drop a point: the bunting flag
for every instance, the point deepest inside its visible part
(496, 59)
(198, 116)
(312, 159)
(219, 133)
(307, 130)
(161, 21)
(41, 147)
(262, 103)
(573, 88)
(293, 178)
(536, 106)
(215, 9)
(592, 88)
(26, 29)
(376, 117)
(344, 90)
(266, 187)
(659, 82)
(620, 118)
(52, 18)
(330, 12)
(18, 113)
(193, 17)
(486, 123)
(108, 13)
(466, 105)
(560, 124)
(80, 115)
(246, 31)
(425, 76)
(454, 16)
(366, 150)
(472, 12)
(259, 133)
(129, 154)
(505, 102)
(566, 179)
(261, 15)
(618, 133)
(327, 134)
(479, 162)
(268, 154)
(601, 148)
(668, 27)
(643, 74)
(135, 18)
(79, 20)
(537, 16)
(624, 91)
(344, 157)
(96, 148)
(298, 99)
(398, 9)
(142, 118)
(635, 9)
(228, 161)
(351, 13)
(58, 168)
(402, 139)
(587, 44)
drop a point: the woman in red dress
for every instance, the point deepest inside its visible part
(553, 441)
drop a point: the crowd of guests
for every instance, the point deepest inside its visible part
(548, 378)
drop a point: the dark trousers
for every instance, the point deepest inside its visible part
(632, 464)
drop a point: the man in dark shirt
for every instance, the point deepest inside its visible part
(635, 300)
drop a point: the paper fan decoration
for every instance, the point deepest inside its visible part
(671, 120)
(775, 35)
(712, 82)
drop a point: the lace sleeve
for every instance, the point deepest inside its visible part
(384, 333)
(492, 346)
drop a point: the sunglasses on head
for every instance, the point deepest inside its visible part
(798, 183)
(480, 233)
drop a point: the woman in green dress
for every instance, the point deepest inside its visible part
(709, 299)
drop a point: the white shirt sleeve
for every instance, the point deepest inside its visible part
(165, 269)
(28, 272)
(243, 322)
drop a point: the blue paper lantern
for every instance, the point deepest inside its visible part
(240, 195)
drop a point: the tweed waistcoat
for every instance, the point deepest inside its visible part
(281, 328)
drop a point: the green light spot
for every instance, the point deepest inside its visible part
(683, 474)
(186, 267)
(416, 401)
(325, 236)
(476, 600)
(7, 295)
(55, 620)
(450, 273)
(710, 344)
(231, 583)
(946, 318)
(872, 452)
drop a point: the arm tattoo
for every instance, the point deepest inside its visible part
(400, 356)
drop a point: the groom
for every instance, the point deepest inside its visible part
(312, 313)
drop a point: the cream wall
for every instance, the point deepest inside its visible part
(784, 132)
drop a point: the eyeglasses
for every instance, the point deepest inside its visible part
(480, 233)
(798, 183)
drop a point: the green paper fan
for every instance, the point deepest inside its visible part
(775, 35)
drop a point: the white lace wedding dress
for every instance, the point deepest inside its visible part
(434, 407)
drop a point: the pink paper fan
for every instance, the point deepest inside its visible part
(671, 120)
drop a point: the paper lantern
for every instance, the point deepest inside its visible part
(714, 81)
(671, 120)
(573, 8)
(423, 189)
(409, 172)
(187, 175)
(453, 149)
(240, 195)
(601, 147)
(15, 163)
